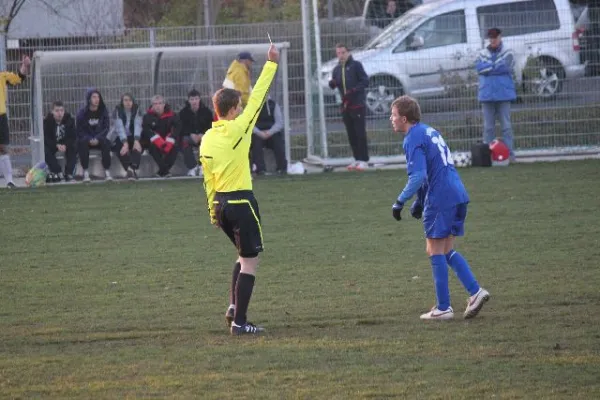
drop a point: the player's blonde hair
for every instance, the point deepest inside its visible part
(408, 107)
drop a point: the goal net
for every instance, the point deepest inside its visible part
(143, 72)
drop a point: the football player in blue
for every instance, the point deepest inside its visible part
(442, 203)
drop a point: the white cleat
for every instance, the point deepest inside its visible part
(86, 176)
(475, 303)
(107, 177)
(439, 315)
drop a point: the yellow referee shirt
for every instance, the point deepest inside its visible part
(7, 78)
(224, 150)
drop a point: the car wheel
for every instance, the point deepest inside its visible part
(382, 91)
(544, 79)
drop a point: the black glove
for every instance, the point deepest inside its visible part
(396, 209)
(416, 210)
(332, 84)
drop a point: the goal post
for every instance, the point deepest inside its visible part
(143, 72)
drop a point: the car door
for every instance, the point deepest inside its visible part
(434, 52)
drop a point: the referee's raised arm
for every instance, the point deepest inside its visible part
(247, 119)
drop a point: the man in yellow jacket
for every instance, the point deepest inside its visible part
(8, 78)
(238, 76)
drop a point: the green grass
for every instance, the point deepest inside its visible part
(119, 291)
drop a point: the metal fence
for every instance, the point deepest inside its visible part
(553, 110)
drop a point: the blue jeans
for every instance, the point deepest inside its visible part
(493, 110)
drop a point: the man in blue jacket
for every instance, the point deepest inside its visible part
(495, 66)
(350, 78)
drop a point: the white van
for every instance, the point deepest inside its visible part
(440, 38)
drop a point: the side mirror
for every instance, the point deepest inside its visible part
(417, 42)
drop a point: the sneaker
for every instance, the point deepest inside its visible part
(361, 166)
(86, 176)
(229, 316)
(475, 303)
(200, 173)
(192, 172)
(107, 176)
(439, 315)
(131, 175)
(246, 329)
(352, 166)
(68, 178)
(50, 178)
(11, 185)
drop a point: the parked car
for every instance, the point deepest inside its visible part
(417, 51)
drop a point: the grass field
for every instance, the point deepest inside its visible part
(119, 290)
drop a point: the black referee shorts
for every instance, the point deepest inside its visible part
(238, 216)
(4, 130)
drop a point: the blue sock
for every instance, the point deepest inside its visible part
(463, 271)
(439, 267)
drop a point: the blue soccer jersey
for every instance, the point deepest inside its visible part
(427, 152)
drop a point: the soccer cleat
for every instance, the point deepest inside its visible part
(192, 172)
(246, 329)
(11, 185)
(86, 176)
(475, 303)
(107, 176)
(229, 316)
(68, 178)
(436, 314)
(352, 166)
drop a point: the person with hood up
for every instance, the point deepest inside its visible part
(160, 128)
(195, 119)
(127, 124)
(93, 124)
(60, 136)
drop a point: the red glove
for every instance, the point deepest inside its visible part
(168, 146)
(158, 141)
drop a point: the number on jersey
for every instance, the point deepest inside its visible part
(442, 147)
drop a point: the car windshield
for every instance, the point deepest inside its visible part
(389, 35)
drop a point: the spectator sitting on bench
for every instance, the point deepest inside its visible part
(195, 119)
(60, 136)
(160, 128)
(268, 132)
(128, 144)
(93, 124)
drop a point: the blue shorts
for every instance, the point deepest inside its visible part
(445, 223)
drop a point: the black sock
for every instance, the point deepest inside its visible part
(234, 277)
(243, 292)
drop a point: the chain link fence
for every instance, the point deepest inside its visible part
(556, 107)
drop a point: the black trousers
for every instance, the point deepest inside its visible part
(187, 145)
(165, 161)
(84, 153)
(70, 155)
(275, 143)
(133, 157)
(356, 127)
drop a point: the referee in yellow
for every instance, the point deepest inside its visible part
(228, 185)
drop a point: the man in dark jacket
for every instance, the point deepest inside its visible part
(195, 119)
(160, 128)
(268, 132)
(93, 123)
(350, 78)
(127, 134)
(60, 136)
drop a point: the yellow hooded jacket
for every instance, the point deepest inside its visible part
(238, 78)
(12, 79)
